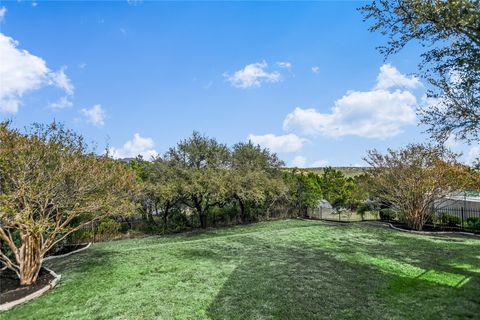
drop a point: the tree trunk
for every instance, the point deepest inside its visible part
(30, 259)
(165, 216)
(203, 219)
(242, 211)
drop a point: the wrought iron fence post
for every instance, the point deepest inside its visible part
(462, 210)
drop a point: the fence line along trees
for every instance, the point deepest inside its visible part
(51, 186)
(412, 178)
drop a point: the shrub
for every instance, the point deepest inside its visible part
(473, 223)
(388, 214)
(147, 227)
(178, 221)
(366, 206)
(107, 229)
(450, 220)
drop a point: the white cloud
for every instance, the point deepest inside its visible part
(319, 164)
(390, 77)
(285, 143)
(3, 11)
(284, 64)
(134, 2)
(62, 103)
(61, 80)
(473, 154)
(378, 113)
(253, 75)
(22, 72)
(299, 162)
(372, 114)
(315, 69)
(95, 115)
(137, 146)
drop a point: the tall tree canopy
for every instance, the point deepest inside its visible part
(450, 33)
(51, 186)
(201, 165)
(253, 176)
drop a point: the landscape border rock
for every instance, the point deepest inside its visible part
(56, 277)
(67, 254)
(8, 305)
(434, 232)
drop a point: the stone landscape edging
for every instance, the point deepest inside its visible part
(434, 232)
(67, 254)
(8, 305)
(56, 277)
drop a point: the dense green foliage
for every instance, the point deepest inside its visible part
(308, 188)
(289, 269)
(204, 180)
(209, 184)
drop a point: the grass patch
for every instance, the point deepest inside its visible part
(289, 269)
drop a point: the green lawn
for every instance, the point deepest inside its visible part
(290, 269)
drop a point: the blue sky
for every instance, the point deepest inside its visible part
(303, 79)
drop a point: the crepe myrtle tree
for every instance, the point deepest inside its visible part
(410, 179)
(50, 186)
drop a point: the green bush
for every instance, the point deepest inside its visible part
(147, 227)
(450, 220)
(388, 214)
(366, 206)
(473, 223)
(107, 228)
(178, 221)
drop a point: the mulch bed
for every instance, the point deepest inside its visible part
(66, 249)
(10, 288)
(432, 228)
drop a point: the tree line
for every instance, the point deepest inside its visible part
(52, 185)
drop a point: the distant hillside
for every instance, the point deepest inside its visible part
(348, 171)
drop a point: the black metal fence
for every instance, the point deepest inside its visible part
(442, 218)
(460, 218)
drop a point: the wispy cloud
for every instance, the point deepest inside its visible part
(3, 11)
(62, 103)
(282, 143)
(299, 161)
(284, 64)
(253, 75)
(95, 115)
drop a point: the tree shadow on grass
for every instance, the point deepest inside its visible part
(305, 283)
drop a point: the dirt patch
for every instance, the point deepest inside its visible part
(10, 288)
